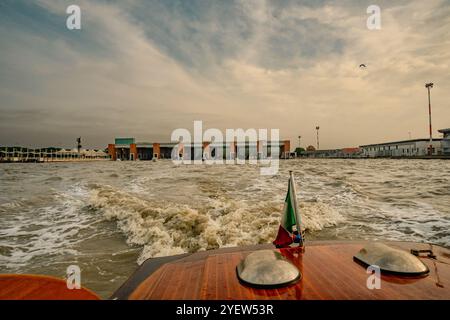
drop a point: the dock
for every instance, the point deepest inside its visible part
(27, 155)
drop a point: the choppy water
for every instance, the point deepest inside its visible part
(107, 217)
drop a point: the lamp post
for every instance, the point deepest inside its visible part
(429, 86)
(79, 144)
(299, 146)
(317, 128)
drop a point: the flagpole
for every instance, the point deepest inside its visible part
(297, 216)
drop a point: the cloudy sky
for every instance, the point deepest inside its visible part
(144, 68)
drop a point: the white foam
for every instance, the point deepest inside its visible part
(165, 228)
(44, 230)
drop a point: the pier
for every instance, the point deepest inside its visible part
(22, 154)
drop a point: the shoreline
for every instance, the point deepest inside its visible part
(442, 157)
(55, 161)
(299, 158)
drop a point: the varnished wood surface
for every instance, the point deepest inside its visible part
(328, 269)
(36, 287)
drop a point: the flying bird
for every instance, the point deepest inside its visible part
(362, 65)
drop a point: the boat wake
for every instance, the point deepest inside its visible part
(165, 228)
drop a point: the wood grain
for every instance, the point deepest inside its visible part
(328, 270)
(36, 287)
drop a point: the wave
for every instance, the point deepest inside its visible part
(166, 228)
(42, 226)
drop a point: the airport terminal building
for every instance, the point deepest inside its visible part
(405, 148)
(445, 141)
(129, 149)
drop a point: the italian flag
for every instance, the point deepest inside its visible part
(288, 220)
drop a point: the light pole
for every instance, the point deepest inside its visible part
(299, 147)
(317, 128)
(79, 144)
(429, 86)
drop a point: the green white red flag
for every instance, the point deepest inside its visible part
(288, 219)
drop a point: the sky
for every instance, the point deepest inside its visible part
(145, 68)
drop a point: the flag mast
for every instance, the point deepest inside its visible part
(297, 216)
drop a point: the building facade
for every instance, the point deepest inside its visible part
(406, 148)
(445, 141)
(129, 149)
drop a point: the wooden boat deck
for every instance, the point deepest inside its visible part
(37, 287)
(329, 272)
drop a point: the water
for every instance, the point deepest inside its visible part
(107, 217)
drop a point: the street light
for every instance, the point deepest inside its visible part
(317, 128)
(299, 146)
(429, 86)
(79, 144)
